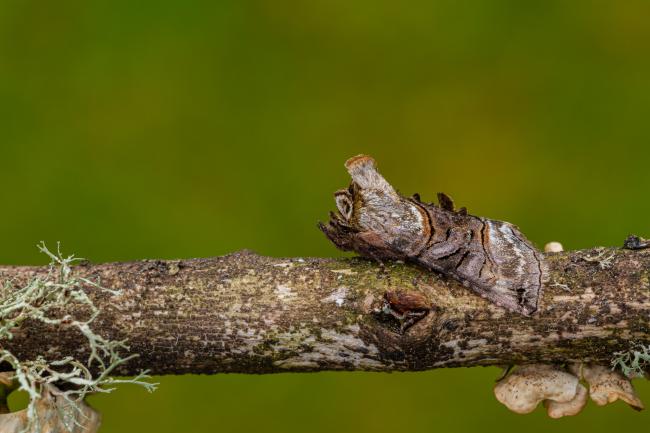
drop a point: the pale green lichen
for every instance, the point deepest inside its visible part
(50, 300)
(633, 362)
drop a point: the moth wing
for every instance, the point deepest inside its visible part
(512, 275)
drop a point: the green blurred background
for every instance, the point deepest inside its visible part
(160, 129)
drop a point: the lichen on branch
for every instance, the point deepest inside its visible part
(633, 362)
(60, 299)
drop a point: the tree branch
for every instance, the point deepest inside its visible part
(252, 314)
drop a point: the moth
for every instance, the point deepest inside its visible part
(493, 258)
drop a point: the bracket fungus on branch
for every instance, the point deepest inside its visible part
(527, 386)
(560, 389)
(607, 386)
(556, 409)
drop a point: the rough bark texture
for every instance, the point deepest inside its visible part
(252, 314)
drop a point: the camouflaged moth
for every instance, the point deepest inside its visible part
(491, 257)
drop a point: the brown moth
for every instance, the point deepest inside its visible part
(491, 257)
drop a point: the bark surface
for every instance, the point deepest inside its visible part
(252, 314)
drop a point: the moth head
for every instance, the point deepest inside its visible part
(372, 218)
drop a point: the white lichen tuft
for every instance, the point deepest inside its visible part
(633, 362)
(50, 300)
(602, 258)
